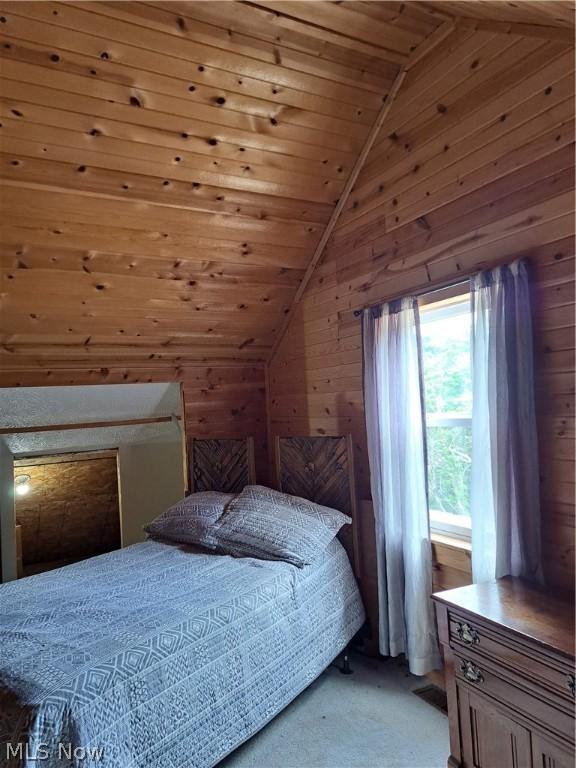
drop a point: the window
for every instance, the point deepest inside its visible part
(445, 329)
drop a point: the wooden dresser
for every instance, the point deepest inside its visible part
(509, 660)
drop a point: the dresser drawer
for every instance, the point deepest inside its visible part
(554, 673)
(516, 693)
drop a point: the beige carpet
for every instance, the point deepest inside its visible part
(370, 719)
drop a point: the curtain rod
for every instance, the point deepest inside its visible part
(423, 292)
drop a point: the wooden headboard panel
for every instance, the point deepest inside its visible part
(221, 465)
(321, 469)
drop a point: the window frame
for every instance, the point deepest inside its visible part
(446, 300)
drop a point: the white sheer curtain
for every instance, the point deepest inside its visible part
(505, 478)
(397, 454)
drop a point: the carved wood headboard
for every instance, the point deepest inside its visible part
(321, 469)
(221, 464)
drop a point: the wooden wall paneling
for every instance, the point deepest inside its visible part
(229, 151)
(81, 260)
(485, 180)
(529, 30)
(432, 41)
(549, 14)
(138, 215)
(467, 100)
(335, 64)
(221, 400)
(228, 403)
(525, 177)
(409, 162)
(348, 23)
(276, 27)
(183, 169)
(169, 170)
(417, 54)
(186, 159)
(162, 73)
(472, 59)
(54, 176)
(104, 21)
(452, 563)
(77, 84)
(172, 18)
(319, 250)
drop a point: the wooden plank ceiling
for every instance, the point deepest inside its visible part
(169, 167)
(543, 13)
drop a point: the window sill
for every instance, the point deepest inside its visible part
(451, 541)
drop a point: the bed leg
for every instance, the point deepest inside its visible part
(346, 669)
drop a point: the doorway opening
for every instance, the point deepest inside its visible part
(67, 509)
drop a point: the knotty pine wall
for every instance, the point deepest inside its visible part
(472, 168)
(219, 401)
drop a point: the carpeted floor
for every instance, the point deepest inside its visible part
(370, 719)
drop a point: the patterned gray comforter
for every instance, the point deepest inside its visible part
(163, 657)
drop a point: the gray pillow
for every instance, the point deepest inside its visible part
(270, 525)
(192, 520)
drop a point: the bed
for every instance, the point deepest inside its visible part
(162, 655)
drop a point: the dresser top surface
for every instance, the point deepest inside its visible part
(520, 607)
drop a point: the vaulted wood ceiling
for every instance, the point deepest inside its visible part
(546, 13)
(170, 167)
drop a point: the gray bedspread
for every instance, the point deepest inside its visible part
(162, 657)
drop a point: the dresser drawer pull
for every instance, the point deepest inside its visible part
(468, 635)
(471, 672)
(571, 684)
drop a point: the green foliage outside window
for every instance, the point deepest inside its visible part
(448, 390)
(447, 378)
(449, 464)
